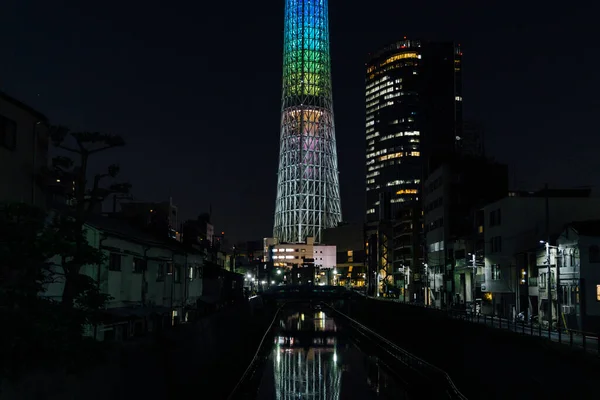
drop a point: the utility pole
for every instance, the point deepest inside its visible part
(549, 285)
(474, 290)
(559, 314)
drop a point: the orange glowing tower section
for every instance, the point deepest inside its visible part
(308, 194)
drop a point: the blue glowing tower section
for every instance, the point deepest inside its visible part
(308, 194)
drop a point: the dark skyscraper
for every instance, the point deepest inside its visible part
(308, 193)
(413, 118)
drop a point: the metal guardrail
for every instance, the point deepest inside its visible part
(235, 393)
(418, 365)
(575, 339)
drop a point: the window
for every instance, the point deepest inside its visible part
(160, 273)
(495, 217)
(496, 272)
(597, 292)
(139, 265)
(8, 133)
(114, 262)
(177, 273)
(594, 256)
(350, 256)
(496, 244)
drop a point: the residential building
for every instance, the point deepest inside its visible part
(161, 217)
(290, 258)
(413, 100)
(24, 141)
(452, 194)
(198, 230)
(575, 260)
(288, 254)
(516, 224)
(349, 242)
(154, 282)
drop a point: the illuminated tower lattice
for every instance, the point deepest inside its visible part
(308, 194)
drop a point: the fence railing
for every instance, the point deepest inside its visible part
(578, 340)
(439, 378)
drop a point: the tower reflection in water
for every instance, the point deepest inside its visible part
(305, 358)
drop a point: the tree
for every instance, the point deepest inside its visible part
(26, 246)
(69, 177)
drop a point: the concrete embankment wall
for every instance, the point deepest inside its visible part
(483, 362)
(205, 358)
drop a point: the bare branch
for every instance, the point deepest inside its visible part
(70, 149)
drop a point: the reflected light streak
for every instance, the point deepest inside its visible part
(313, 374)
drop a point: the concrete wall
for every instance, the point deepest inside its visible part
(483, 362)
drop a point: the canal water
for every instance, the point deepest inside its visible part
(315, 357)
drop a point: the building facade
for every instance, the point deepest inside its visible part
(24, 146)
(308, 194)
(297, 254)
(576, 292)
(349, 242)
(153, 283)
(413, 118)
(517, 224)
(452, 194)
(408, 259)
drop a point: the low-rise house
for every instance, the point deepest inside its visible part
(154, 282)
(577, 257)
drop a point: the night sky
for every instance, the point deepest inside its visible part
(195, 87)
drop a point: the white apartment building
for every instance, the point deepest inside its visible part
(151, 281)
(297, 254)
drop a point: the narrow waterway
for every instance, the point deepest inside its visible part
(314, 357)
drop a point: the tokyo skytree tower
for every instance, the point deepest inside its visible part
(308, 191)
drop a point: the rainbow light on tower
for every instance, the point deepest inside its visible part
(308, 195)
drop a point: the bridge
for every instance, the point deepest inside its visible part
(434, 350)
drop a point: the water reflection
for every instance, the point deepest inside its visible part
(305, 358)
(312, 358)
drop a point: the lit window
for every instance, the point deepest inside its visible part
(458, 98)
(399, 57)
(597, 292)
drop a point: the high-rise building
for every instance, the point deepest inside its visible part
(308, 195)
(413, 119)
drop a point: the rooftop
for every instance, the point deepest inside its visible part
(23, 106)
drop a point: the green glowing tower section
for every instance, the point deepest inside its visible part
(308, 194)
